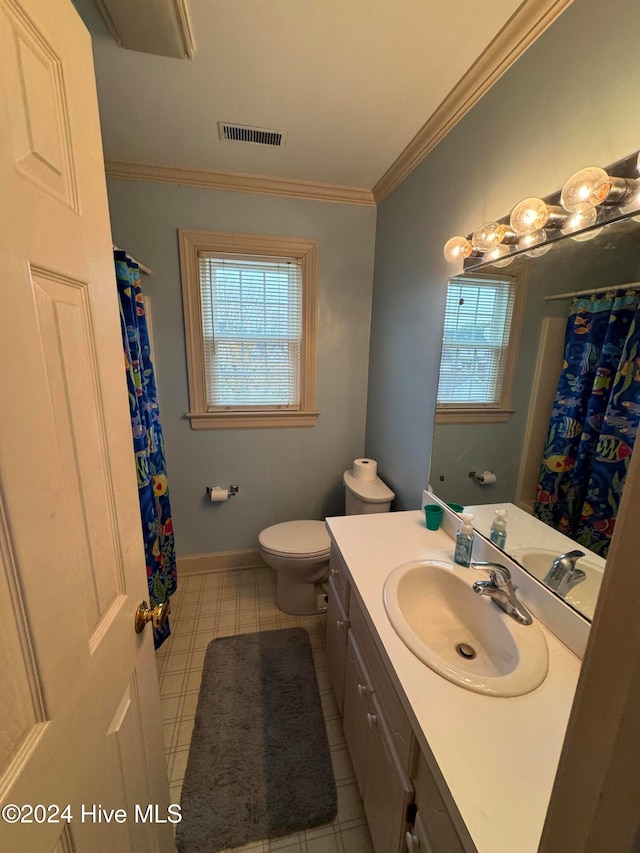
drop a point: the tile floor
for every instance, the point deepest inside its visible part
(239, 602)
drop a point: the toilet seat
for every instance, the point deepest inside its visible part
(296, 539)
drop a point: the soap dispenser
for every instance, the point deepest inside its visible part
(464, 541)
(498, 533)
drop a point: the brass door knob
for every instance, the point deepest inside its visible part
(156, 615)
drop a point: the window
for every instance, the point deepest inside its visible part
(479, 349)
(250, 308)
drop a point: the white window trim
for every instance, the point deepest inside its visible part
(483, 413)
(304, 251)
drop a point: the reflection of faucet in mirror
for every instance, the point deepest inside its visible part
(563, 574)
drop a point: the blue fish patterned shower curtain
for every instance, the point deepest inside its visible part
(148, 445)
(594, 422)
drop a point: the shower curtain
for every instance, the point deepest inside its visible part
(594, 420)
(153, 487)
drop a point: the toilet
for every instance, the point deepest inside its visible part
(299, 550)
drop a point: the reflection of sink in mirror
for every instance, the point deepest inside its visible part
(460, 635)
(584, 595)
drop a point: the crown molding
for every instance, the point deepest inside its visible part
(528, 22)
(520, 31)
(238, 183)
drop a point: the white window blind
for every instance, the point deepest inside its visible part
(252, 331)
(477, 326)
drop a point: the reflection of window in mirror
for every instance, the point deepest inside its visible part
(483, 316)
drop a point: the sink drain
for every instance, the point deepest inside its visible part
(466, 651)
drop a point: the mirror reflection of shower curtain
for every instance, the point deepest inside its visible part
(594, 421)
(148, 443)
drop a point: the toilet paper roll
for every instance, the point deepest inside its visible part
(487, 477)
(218, 494)
(365, 469)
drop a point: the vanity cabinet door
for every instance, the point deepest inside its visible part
(337, 630)
(338, 572)
(357, 689)
(435, 822)
(388, 790)
(398, 724)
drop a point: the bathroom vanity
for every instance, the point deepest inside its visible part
(440, 768)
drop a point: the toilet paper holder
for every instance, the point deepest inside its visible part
(231, 490)
(483, 478)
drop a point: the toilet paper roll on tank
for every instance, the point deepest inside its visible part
(365, 470)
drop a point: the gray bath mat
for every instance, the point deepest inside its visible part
(259, 763)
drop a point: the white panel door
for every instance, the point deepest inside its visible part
(79, 705)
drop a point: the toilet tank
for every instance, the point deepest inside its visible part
(365, 496)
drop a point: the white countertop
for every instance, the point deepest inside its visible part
(498, 756)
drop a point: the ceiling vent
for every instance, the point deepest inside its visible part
(256, 135)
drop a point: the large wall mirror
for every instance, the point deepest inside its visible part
(599, 263)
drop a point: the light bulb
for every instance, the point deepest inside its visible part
(491, 234)
(530, 241)
(579, 221)
(457, 249)
(497, 256)
(592, 186)
(585, 189)
(532, 214)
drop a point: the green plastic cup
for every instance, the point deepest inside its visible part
(433, 516)
(456, 507)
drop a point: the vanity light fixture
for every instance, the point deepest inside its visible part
(591, 196)
(532, 214)
(491, 234)
(593, 186)
(456, 249)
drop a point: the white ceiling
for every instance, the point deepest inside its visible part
(351, 81)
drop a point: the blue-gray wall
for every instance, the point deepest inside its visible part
(283, 474)
(568, 102)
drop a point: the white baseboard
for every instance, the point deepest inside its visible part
(219, 561)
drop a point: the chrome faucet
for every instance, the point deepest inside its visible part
(564, 574)
(500, 588)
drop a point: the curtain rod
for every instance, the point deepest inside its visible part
(141, 267)
(594, 290)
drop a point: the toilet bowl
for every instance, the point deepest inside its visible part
(299, 550)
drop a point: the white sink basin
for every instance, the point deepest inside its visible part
(434, 610)
(584, 595)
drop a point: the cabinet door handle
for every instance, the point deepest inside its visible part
(413, 842)
(372, 720)
(340, 623)
(362, 689)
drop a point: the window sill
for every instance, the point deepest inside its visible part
(473, 416)
(251, 420)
